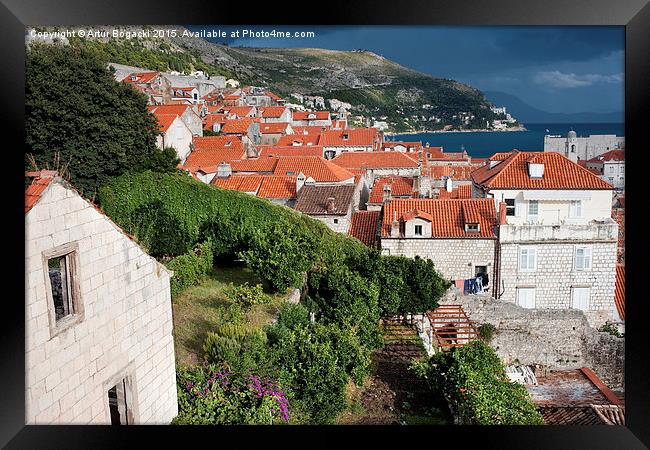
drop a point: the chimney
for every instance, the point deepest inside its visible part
(300, 181)
(387, 193)
(449, 184)
(502, 213)
(331, 209)
(394, 226)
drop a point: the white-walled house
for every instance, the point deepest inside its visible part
(174, 133)
(557, 240)
(98, 317)
(611, 167)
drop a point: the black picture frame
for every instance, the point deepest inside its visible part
(633, 14)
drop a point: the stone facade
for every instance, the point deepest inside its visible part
(554, 339)
(338, 223)
(453, 258)
(582, 148)
(121, 327)
(555, 275)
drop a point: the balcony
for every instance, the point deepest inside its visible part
(597, 230)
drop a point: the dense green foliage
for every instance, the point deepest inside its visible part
(190, 267)
(210, 396)
(236, 348)
(246, 296)
(345, 297)
(78, 118)
(486, 331)
(309, 365)
(473, 380)
(291, 316)
(132, 52)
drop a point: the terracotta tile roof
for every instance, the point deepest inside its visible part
(34, 191)
(275, 128)
(364, 226)
(254, 165)
(264, 186)
(272, 111)
(316, 167)
(399, 187)
(183, 92)
(416, 213)
(165, 121)
(311, 129)
(299, 139)
(619, 293)
(239, 111)
(373, 160)
(315, 115)
(302, 150)
(447, 216)
(356, 137)
(313, 199)
(559, 173)
(456, 172)
(179, 110)
(273, 96)
(275, 186)
(142, 77)
(461, 191)
(612, 155)
(569, 415)
(210, 151)
(211, 119)
(237, 126)
(242, 183)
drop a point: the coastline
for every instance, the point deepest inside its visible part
(482, 130)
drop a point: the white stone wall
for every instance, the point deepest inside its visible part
(454, 258)
(585, 147)
(178, 136)
(126, 327)
(555, 274)
(342, 226)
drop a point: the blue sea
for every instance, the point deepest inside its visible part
(482, 144)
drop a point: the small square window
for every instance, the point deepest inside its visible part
(336, 221)
(418, 230)
(510, 207)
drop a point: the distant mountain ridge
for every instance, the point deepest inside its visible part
(526, 113)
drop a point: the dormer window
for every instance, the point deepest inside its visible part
(472, 228)
(228, 144)
(536, 170)
(493, 163)
(133, 78)
(345, 137)
(418, 230)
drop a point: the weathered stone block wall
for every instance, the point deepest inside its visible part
(555, 275)
(127, 322)
(557, 339)
(453, 258)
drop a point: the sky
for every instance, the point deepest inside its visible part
(556, 69)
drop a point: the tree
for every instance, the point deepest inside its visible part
(74, 107)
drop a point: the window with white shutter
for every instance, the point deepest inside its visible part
(533, 211)
(580, 298)
(526, 297)
(575, 209)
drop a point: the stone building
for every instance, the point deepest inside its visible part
(332, 205)
(98, 317)
(557, 240)
(611, 167)
(174, 133)
(335, 142)
(188, 114)
(374, 164)
(457, 235)
(583, 148)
